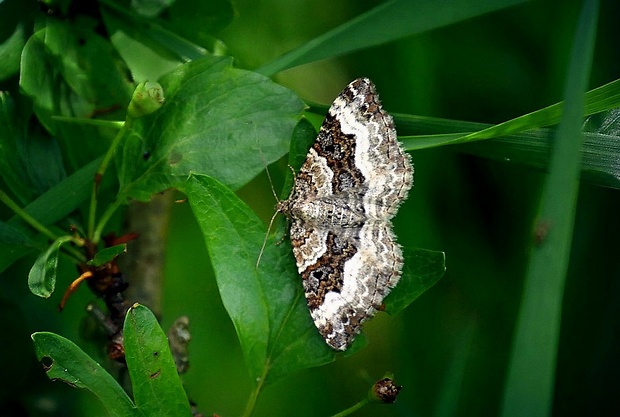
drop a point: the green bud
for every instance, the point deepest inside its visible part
(147, 98)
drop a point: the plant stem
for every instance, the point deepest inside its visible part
(352, 409)
(93, 234)
(25, 216)
(34, 223)
(249, 407)
(96, 236)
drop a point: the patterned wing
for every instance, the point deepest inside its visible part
(379, 158)
(347, 284)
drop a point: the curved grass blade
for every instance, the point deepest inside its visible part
(387, 22)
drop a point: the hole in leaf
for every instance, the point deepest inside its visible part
(47, 363)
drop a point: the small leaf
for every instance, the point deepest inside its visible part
(156, 383)
(107, 255)
(42, 276)
(71, 365)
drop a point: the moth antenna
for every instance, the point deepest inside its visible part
(273, 191)
(262, 249)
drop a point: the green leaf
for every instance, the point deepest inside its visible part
(107, 255)
(156, 383)
(422, 269)
(266, 305)
(12, 167)
(10, 51)
(217, 120)
(69, 70)
(532, 368)
(387, 22)
(198, 21)
(12, 236)
(42, 275)
(71, 365)
(33, 163)
(52, 206)
(151, 48)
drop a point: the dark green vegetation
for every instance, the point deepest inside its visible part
(524, 321)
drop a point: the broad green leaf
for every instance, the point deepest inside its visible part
(69, 70)
(87, 63)
(266, 304)
(532, 366)
(107, 255)
(389, 21)
(422, 269)
(217, 120)
(71, 365)
(157, 387)
(42, 275)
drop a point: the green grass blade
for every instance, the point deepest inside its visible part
(600, 99)
(529, 389)
(387, 22)
(521, 140)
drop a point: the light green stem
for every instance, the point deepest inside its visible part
(249, 407)
(352, 409)
(104, 219)
(25, 216)
(34, 223)
(93, 234)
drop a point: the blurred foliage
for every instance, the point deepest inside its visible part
(435, 66)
